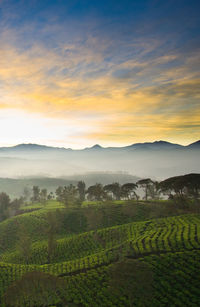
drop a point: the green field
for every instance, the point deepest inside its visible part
(95, 240)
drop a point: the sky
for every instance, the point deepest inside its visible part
(77, 73)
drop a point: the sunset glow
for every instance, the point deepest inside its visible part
(77, 73)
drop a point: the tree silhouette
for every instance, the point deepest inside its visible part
(186, 186)
(36, 194)
(67, 195)
(113, 188)
(145, 184)
(4, 206)
(43, 196)
(81, 190)
(128, 190)
(96, 192)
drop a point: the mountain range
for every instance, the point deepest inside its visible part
(137, 146)
(158, 160)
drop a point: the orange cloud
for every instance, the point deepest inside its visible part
(76, 84)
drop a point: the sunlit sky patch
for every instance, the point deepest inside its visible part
(77, 73)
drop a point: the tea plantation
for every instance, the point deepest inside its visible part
(153, 261)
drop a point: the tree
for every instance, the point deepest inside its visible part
(128, 190)
(192, 184)
(59, 192)
(36, 194)
(186, 186)
(154, 190)
(43, 196)
(145, 184)
(50, 196)
(69, 195)
(81, 190)
(26, 194)
(115, 189)
(4, 206)
(15, 205)
(96, 192)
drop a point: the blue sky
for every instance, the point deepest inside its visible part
(108, 72)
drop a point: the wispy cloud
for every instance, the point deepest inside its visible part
(117, 89)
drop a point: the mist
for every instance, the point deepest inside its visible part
(54, 162)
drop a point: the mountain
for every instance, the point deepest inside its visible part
(157, 160)
(157, 145)
(32, 147)
(195, 145)
(95, 147)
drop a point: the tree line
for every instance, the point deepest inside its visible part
(176, 188)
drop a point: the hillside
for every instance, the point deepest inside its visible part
(155, 240)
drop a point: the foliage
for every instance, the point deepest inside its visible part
(114, 189)
(96, 192)
(81, 189)
(187, 186)
(133, 255)
(128, 191)
(133, 279)
(34, 289)
(68, 195)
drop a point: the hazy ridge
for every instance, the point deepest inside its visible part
(158, 160)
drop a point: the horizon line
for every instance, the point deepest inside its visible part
(98, 145)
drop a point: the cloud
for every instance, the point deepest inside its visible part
(113, 95)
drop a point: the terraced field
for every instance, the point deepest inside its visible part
(169, 246)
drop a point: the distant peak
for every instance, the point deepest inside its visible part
(29, 145)
(96, 146)
(161, 142)
(195, 144)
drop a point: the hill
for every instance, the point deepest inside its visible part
(101, 253)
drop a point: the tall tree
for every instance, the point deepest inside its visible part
(115, 189)
(187, 186)
(96, 192)
(154, 190)
(26, 194)
(69, 195)
(43, 196)
(59, 193)
(36, 194)
(128, 190)
(81, 189)
(50, 196)
(4, 206)
(145, 184)
(15, 205)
